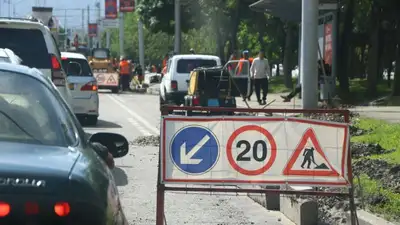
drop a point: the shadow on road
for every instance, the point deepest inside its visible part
(121, 179)
(105, 124)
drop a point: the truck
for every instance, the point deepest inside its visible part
(103, 69)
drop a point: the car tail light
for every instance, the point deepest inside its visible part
(62, 208)
(174, 85)
(31, 208)
(91, 86)
(4, 209)
(57, 75)
(196, 101)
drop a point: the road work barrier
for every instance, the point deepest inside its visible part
(282, 153)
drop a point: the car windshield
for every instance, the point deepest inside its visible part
(76, 67)
(32, 113)
(25, 41)
(100, 54)
(187, 65)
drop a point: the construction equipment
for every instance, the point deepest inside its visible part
(104, 70)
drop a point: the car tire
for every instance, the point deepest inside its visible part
(91, 120)
(115, 90)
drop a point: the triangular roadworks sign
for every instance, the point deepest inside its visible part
(325, 171)
(111, 80)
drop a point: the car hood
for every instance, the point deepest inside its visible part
(35, 168)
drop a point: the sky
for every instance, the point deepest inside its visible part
(73, 18)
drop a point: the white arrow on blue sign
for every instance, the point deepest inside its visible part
(194, 150)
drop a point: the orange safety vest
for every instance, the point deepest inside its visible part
(124, 68)
(164, 63)
(241, 64)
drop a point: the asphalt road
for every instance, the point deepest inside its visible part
(135, 115)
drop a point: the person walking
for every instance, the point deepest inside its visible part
(260, 72)
(243, 69)
(124, 73)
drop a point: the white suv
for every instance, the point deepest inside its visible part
(34, 44)
(174, 84)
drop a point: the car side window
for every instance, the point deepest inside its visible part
(169, 65)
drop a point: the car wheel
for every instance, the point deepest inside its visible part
(91, 120)
(115, 90)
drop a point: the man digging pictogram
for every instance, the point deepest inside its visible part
(309, 157)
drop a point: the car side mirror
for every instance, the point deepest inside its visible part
(117, 144)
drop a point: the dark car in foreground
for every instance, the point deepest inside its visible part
(50, 171)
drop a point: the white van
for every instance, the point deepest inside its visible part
(174, 84)
(35, 45)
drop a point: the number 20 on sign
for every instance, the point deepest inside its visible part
(251, 158)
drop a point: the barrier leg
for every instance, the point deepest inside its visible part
(160, 204)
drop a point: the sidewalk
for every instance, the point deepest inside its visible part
(390, 114)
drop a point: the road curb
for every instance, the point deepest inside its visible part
(305, 211)
(366, 218)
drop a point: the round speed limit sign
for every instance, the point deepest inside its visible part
(251, 150)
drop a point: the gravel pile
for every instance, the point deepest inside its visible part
(388, 175)
(361, 150)
(152, 140)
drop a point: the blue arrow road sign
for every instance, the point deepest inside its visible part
(194, 150)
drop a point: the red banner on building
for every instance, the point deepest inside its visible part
(111, 9)
(92, 29)
(126, 5)
(328, 44)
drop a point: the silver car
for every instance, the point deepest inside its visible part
(83, 87)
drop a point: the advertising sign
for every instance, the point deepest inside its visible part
(126, 5)
(92, 29)
(111, 9)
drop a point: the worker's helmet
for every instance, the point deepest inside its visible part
(122, 58)
(191, 50)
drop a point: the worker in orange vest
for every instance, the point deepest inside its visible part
(124, 73)
(244, 69)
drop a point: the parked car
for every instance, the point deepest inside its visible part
(36, 47)
(83, 87)
(51, 172)
(174, 84)
(7, 55)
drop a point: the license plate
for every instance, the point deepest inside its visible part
(213, 102)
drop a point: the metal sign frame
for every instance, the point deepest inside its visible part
(163, 188)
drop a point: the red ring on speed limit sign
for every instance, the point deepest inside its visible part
(270, 139)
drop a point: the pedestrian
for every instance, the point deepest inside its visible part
(260, 72)
(124, 73)
(244, 69)
(297, 89)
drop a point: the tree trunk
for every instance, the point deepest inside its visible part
(373, 54)
(288, 52)
(343, 49)
(396, 79)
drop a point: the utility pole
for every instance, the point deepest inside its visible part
(141, 43)
(121, 34)
(65, 30)
(108, 37)
(98, 24)
(88, 21)
(309, 54)
(177, 26)
(83, 24)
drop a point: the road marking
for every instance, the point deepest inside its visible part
(139, 127)
(119, 99)
(138, 118)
